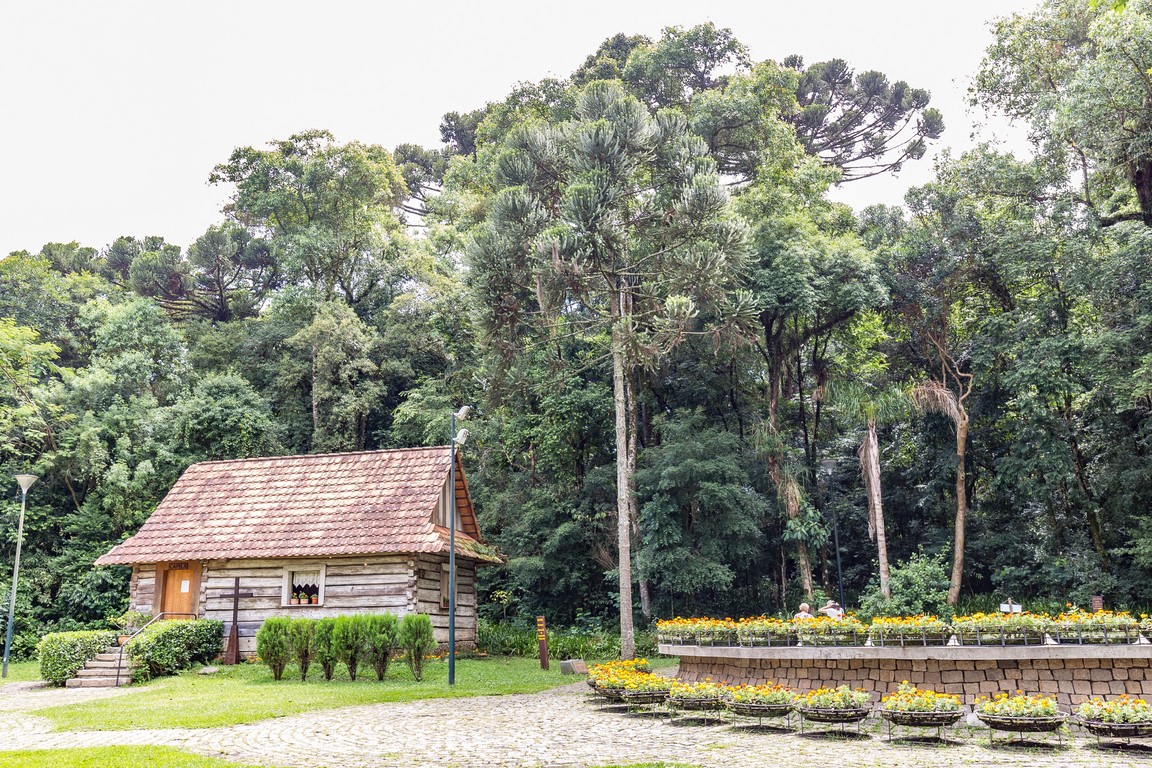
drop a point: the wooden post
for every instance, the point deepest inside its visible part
(542, 636)
(232, 655)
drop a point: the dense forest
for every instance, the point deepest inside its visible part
(692, 372)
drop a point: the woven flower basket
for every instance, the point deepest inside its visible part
(748, 709)
(921, 719)
(645, 697)
(698, 705)
(833, 715)
(1090, 635)
(612, 694)
(1118, 730)
(1000, 637)
(1023, 724)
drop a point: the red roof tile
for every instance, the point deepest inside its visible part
(305, 506)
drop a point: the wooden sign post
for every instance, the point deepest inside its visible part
(232, 656)
(542, 636)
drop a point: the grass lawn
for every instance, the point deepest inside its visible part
(111, 757)
(247, 693)
(22, 671)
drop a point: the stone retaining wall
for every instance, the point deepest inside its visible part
(1071, 680)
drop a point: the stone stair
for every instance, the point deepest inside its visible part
(100, 672)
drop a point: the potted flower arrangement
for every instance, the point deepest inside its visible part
(646, 688)
(1122, 717)
(909, 630)
(681, 631)
(608, 680)
(704, 695)
(769, 700)
(825, 631)
(1002, 628)
(1081, 627)
(834, 705)
(765, 631)
(1021, 713)
(912, 706)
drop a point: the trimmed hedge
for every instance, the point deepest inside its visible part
(63, 654)
(418, 640)
(272, 644)
(167, 647)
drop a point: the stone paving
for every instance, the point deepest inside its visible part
(555, 728)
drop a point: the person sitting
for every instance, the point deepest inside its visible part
(804, 612)
(832, 610)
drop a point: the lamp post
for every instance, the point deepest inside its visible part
(829, 466)
(457, 438)
(25, 482)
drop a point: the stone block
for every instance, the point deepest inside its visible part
(984, 664)
(1073, 663)
(1082, 687)
(1116, 687)
(573, 667)
(1100, 675)
(1100, 688)
(1132, 686)
(1052, 686)
(1081, 674)
(974, 676)
(1065, 686)
(952, 677)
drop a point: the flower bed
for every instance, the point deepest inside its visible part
(909, 630)
(1001, 629)
(1021, 713)
(1122, 717)
(702, 696)
(834, 705)
(1102, 627)
(764, 631)
(760, 700)
(913, 706)
(825, 631)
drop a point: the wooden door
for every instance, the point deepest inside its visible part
(180, 593)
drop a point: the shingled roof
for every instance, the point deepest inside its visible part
(306, 506)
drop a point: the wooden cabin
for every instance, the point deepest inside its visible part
(359, 532)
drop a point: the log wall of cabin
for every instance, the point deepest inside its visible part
(398, 584)
(142, 588)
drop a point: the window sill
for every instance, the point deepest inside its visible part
(304, 605)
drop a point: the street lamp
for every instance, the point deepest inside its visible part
(457, 438)
(25, 482)
(829, 466)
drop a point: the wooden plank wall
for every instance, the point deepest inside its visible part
(428, 598)
(397, 583)
(142, 588)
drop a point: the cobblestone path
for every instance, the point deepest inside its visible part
(555, 728)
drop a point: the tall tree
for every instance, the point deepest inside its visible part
(613, 223)
(329, 209)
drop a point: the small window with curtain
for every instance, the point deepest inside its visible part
(304, 586)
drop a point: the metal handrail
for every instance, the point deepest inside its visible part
(132, 636)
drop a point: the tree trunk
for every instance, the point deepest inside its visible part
(623, 483)
(961, 509)
(315, 402)
(633, 506)
(870, 468)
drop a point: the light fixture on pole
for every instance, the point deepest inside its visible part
(829, 466)
(456, 439)
(25, 482)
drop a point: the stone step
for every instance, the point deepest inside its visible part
(97, 682)
(99, 663)
(102, 672)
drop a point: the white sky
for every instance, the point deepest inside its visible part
(113, 113)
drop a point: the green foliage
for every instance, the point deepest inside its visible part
(349, 640)
(505, 639)
(111, 757)
(63, 654)
(418, 640)
(382, 639)
(302, 644)
(167, 647)
(919, 586)
(325, 651)
(274, 644)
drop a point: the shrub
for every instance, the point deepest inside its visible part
(62, 654)
(323, 651)
(919, 586)
(418, 640)
(348, 640)
(382, 636)
(302, 643)
(272, 644)
(166, 647)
